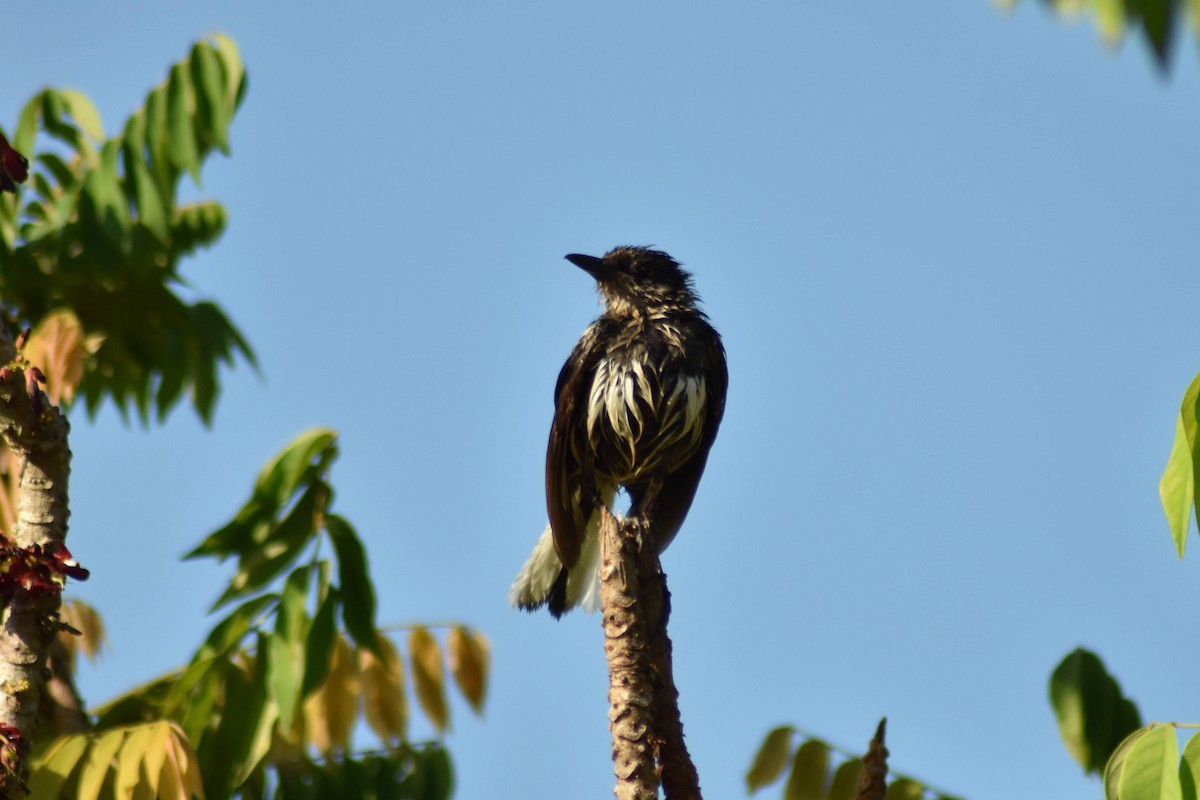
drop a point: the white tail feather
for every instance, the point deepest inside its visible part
(533, 583)
(537, 577)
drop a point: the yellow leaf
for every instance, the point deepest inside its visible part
(170, 787)
(1110, 19)
(98, 763)
(428, 678)
(85, 619)
(469, 653)
(129, 761)
(58, 346)
(156, 753)
(330, 711)
(54, 767)
(181, 769)
(383, 691)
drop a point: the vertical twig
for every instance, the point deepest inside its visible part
(872, 781)
(630, 693)
(675, 768)
(648, 746)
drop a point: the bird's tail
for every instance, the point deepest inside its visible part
(543, 580)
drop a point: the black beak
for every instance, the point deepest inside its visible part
(590, 264)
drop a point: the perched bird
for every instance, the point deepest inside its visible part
(636, 407)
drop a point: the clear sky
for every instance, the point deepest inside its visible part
(953, 254)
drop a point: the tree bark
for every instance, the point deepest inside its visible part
(872, 781)
(676, 770)
(630, 692)
(36, 434)
(648, 746)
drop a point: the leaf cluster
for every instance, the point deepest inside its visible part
(1103, 731)
(817, 771)
(270, 700)
(1155, 20)
(100, 230)
(1093, 715)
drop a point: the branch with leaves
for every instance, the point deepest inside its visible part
(1155, 20)
(268, 703)
(98, 236)
(810, 770)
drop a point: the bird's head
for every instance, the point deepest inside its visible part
(635, 280)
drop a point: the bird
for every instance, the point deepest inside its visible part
(637, 406)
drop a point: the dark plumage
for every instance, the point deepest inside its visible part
(637, 404)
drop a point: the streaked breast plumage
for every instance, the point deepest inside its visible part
(634, 422)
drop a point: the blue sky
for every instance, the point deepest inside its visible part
(952, 252)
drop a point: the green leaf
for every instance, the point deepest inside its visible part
(1151, 770)
(157, 136)
(227, 635)
(845, 780)
(319, 647)
(211, 111)
(141, 703)
(235, 71)
(197, 709)
(1116, 764)
(771, 759)
(905, 789)
(152, 213)
(1176, 488)
(438, 774)
(228, 751)
(810, 767)
(282, 476)
(56, 123)
(283, 679)
(260, 742)
(283, 544)
(105, 204)
(1189, 769)
(1180, 484)
(58, 169)
(83, 112)
(1158, 23)
(354, 582)
(181, 137)
(285, 665)
(1093, 715)
(222, 641)
(26, 130)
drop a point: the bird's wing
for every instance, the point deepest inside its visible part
(567, 448)
(679, 487)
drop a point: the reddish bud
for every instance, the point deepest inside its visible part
(23, 338)
(14, 167)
